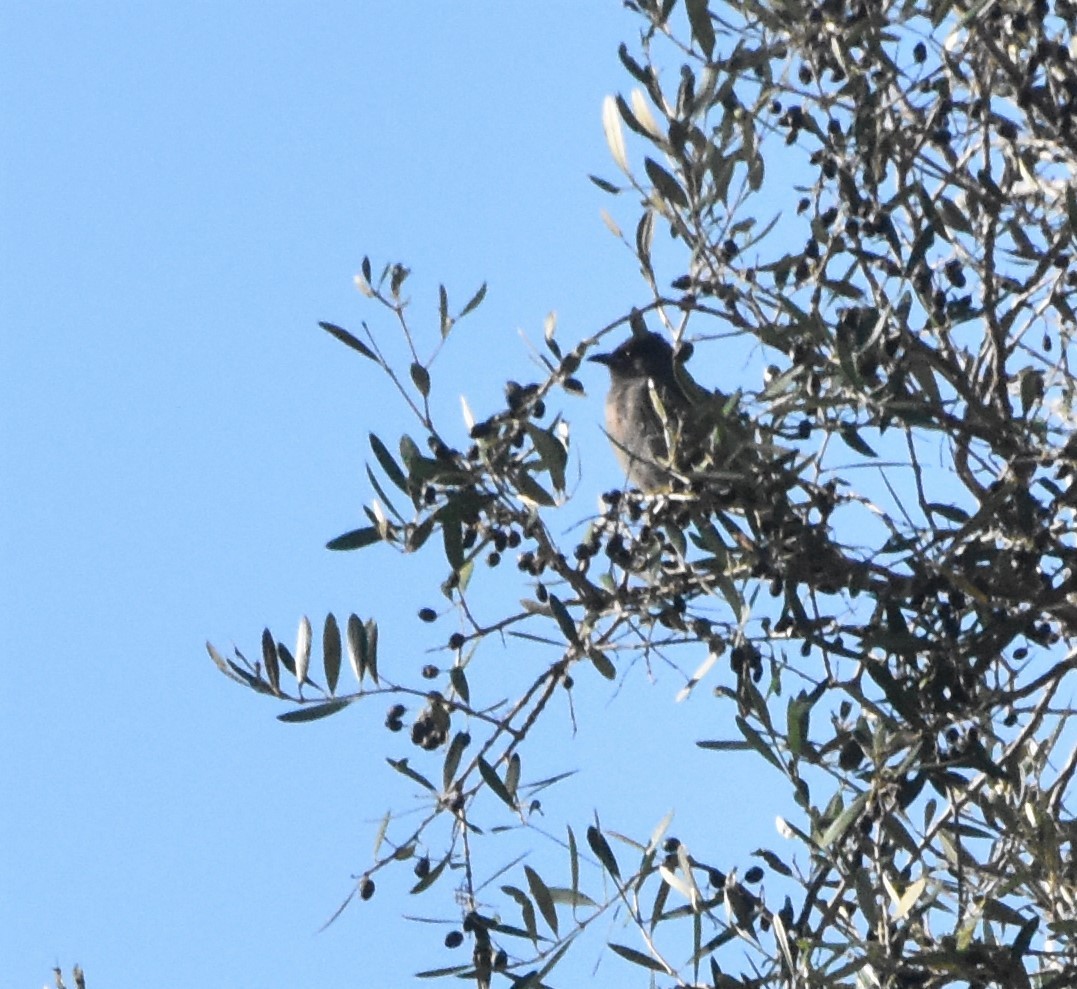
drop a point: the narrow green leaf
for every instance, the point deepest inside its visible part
(509, 930)
(639, 958)
(440, 973)
(542, 897)
(458, 679)
(493, 781)
(386, 500)
(460, 741)
(474, 302)
(388, 464)
(563, 619)
(552, 453)
(631, 120)
(668, 187)
(573, 862)
(443, 311)
(843, 287)
(330, 663)
(331, 650)
(530, 490)
(287, 660)
(757, 742)
(356, 647)
(1071, 210)
(603, 664)
(644, 238)
(602, 850)
(534, 981)
(270, 661)
(527, 911)
(402, 767)
(699, 19)
(418, 536)
(797, 719)
(218, 660)
(420, 378)
(919, 248)
(255, 683)
(604, 185)
(313, 712)
(356, 539)
(370, 628)
(949, 512)
(346, 338)
(776, 864)
(659, 904)
(431, 877)
(512, 774)
(842, 822)
(853, 440)
(720, 745)
(452, 535)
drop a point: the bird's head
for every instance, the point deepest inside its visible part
(643, 355)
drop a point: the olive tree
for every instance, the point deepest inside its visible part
(870, 560)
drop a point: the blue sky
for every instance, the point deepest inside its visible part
(185, 190)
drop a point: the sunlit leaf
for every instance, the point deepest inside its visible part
(611, 124)
(218, 660)
(302, 650)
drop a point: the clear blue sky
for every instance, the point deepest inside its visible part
(185, 190)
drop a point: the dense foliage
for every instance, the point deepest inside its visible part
(875, 550)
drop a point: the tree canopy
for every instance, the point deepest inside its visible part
(870, 562)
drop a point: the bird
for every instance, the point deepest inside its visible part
(648, 411)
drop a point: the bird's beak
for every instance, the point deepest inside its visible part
(606, 359)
